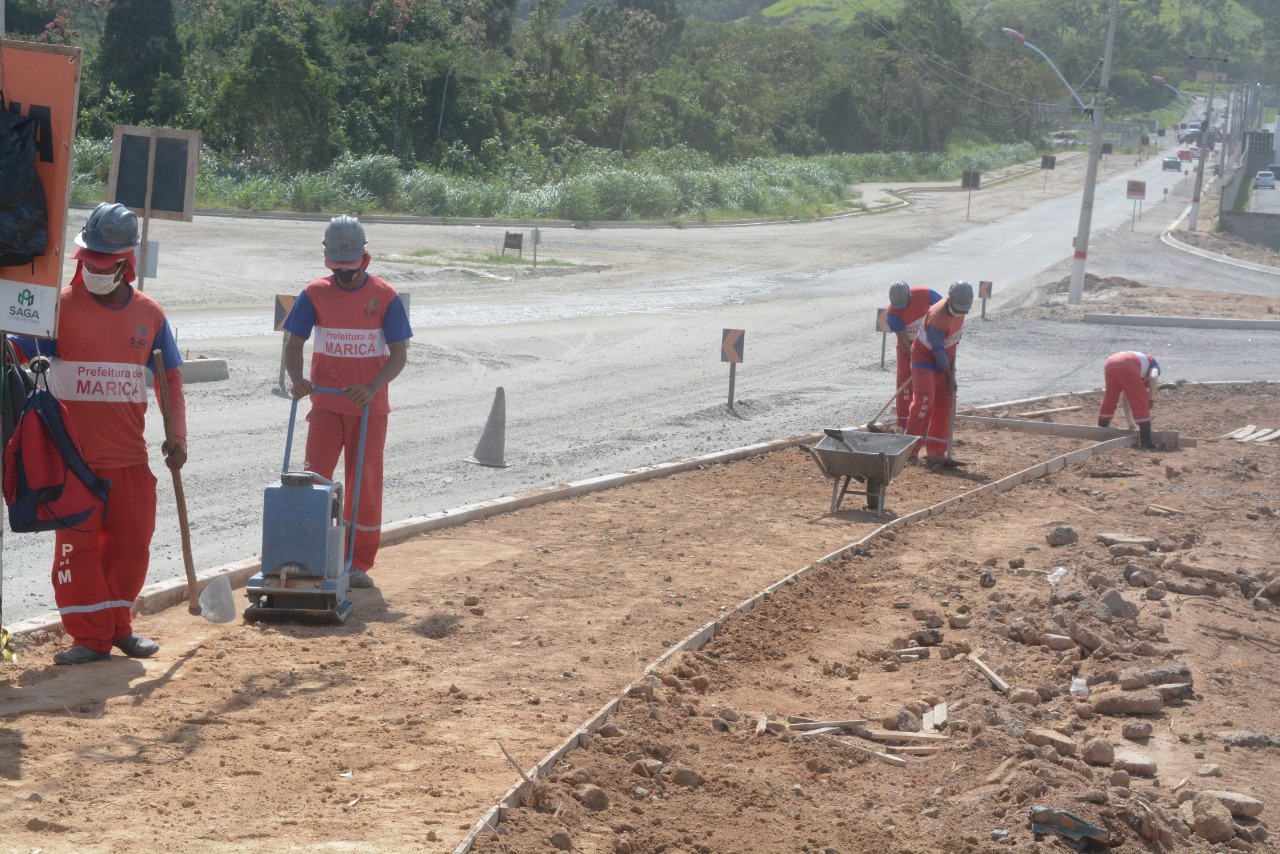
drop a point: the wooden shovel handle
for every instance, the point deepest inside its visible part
(889, 403)
(193, 594)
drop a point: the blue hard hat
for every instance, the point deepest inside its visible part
(111, 229)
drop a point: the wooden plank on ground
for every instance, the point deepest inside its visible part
(1000, 685)
(894, 735)
(1242, 431)
(927, 721)
(883, 757)
(1253, 434)
(826, 730)
(912, 749)
(802, 724)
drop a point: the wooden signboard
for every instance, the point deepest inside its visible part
(162, 159)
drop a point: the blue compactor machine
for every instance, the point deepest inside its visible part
(306, 545)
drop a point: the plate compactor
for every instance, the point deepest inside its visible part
(306, 546)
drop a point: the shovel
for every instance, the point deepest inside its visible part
(872, 426)
(215, 603)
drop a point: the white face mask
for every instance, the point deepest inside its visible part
(101, 283)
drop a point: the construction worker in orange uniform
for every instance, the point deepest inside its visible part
(361, 344)
(907, 308)
(1137, 375)
(107, 331)
(933, 374)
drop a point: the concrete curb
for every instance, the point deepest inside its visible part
(699, 638)
(204, 370)
(1186, 322)
(166, 594)
(1168, 239)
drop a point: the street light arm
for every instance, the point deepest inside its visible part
(1020, 39)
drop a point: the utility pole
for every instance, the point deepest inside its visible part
(1075, 293)
(1204, 134)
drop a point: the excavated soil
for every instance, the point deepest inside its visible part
(387, 733)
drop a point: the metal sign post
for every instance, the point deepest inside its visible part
(984, 293)
(537, 238)
(732, 345)
(1137, 191)
(1048, 163)
(882, 326)
(971, 180)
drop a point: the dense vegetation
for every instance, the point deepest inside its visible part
(555, 108)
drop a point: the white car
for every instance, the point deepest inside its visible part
(1265, 181)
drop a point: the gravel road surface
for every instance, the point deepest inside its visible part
(613, 362)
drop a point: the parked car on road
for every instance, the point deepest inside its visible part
(1265, 181)
(1171, 164)
(1184, 154)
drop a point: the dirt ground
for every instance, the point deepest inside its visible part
(1119, 295)
(384, 734)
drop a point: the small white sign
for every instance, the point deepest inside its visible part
(151, 259)
(28, 309)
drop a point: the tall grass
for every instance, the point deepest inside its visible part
(582, 185)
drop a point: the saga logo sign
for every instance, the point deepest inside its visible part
(24, 309)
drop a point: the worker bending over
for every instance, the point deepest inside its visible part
(907, 308)
(933, 374)
(1137, 375)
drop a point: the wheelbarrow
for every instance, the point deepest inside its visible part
(872, 459)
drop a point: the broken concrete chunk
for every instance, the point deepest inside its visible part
(1135, 763)
(1240, 806)
(1211, 820)
(1060, 643)
(1108, 539)
(1143, 701)
(907, 721)
(1024, 697)
(1136, 730)
(1174, 693)
(1118, 605)
(1168, 675)
(1128, 550)
(1065, 745)
(1099, 751)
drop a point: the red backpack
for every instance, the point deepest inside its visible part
(47, 483)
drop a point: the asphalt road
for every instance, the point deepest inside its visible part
(613, 362)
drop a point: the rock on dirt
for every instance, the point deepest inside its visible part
(1098, 751)
(1140, 702)
(1062, 535)
(1212, 821)
(1240, 806)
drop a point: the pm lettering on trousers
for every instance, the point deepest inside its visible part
(110, 388)
(64, 576)
(363, 348)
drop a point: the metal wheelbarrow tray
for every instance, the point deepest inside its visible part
(876, 459)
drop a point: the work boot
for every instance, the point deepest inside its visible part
(1104, 422)
(80, 655)
(1144, 437)
(135, 645)
(359, 578)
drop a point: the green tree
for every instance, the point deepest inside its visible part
(139, 44)
(278, 105)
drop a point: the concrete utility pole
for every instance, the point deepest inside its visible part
(1204, 135)
(1075, 293)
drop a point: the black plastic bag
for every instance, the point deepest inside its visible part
(24, 218)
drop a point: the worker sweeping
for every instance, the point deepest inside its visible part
(907, 309)
(933, 374)
(1137, 375)
(107, 331)
(361, 344)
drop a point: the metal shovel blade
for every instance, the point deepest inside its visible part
(216, 602)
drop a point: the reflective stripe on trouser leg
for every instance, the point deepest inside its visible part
(922, 402)
(939, 418)
(903, 401)
(332, 434)
(98, 574)
(369, 513)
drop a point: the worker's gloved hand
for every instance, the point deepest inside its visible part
(302, 388)
(174, 458)
(360, 395)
